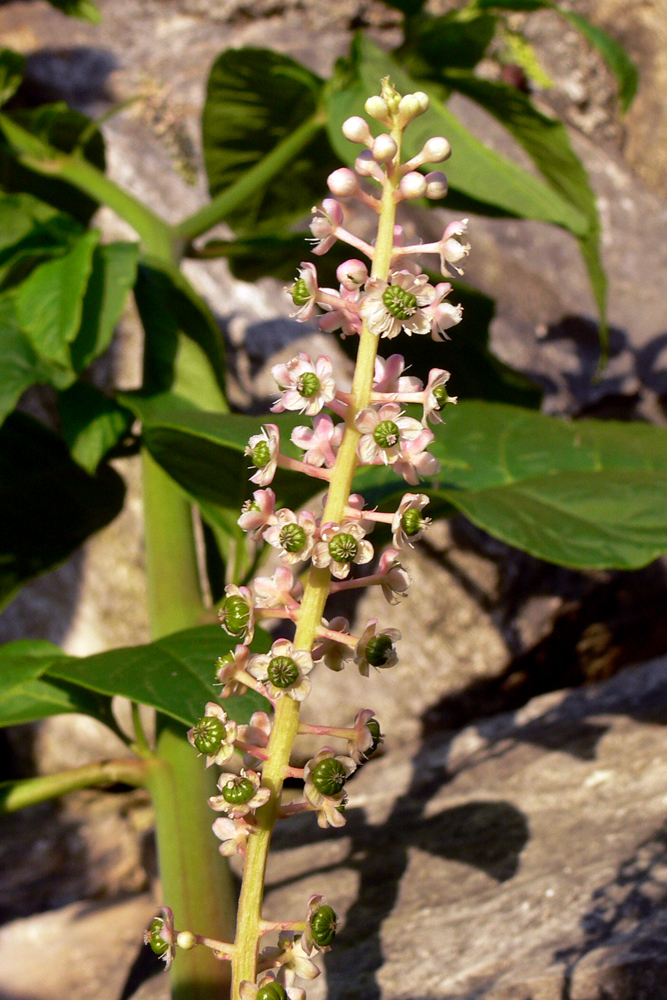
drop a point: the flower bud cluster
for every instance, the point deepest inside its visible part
(376, 302)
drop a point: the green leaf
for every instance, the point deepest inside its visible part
(23, 661)
(176, 321)
(457, 39)
(21, 365)
(487, 180)
(612, 51)
(204, 452)
(50, 127)
(175, 674)
(30, 233)
(586, 494)
(12, 65)
(113, 274)
(85, 9)
(255, 99)
(48, 504)
(92, 424)
(49, 303)
(547, 143)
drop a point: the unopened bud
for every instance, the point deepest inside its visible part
(436, 149)
(384, 148)
(356, 130)
(436, 184)
(423, 101)
(186, 940)
(413, 185)
(408, 109)
(367, 166)
(343, 183)
(377, 108)
(352, 274)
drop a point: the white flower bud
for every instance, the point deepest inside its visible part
(436, 150)
(423, 100)
(352, 274)
(356, 130)
(408, 109)
(186, 940)
(436, 184)
(413, 185)
(367, 166)
(377, 108)
(343, 183)
(384, 148)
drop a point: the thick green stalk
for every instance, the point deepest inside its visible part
(220, 207)
(286, 721)
(16, 795)
(196, 882)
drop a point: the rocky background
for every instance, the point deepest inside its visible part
(512, 842)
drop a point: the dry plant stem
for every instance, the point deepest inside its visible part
(286, 721)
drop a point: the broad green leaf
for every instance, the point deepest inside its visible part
(52, 126)
(12, 65)
(456, 39)
(178, 325)
(49, 303)
(586, 494)
(24, 661)
(204, 452)
(490, 182)
(256, 99)
(39, 698)
(21, 366)
(92, 424)
(612, 51)
(113, 274)
(48, 504)
(175, 674)
(548, 145)
(31, 232)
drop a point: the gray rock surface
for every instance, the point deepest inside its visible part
(524, 858)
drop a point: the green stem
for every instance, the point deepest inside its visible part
(156, 235)
(16, 795)
(286, 720)
(196, 882)
(259, 175)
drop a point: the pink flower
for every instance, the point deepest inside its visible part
(263, 450)
(324, 225)
(257, 733)
(321, 442)
(204, 736)
(389, 307)
(340, 546)
(283, 670)
(389, 377)
(436, 396)
(241, 794)
(292, 534)
(233, 833)
(362, 741)
(352, 274)
(376, 649)
(305, 387)
(258, 513)
(442, 315)
(342, 313)
(384, 431)
(408, 527)
(414, 461)
(229, 669)
(450, 249)
(278, 591)
(333, 653)
(396, 579)
(304, 292)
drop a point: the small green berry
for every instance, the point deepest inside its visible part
(386, 434)
(373, 727)
(343, 547)
(307, 384)
(209, 734)
(261, 455)
(234, 615)
(323, 926)
(292, 537)
(300, 293)
(238, 792)
(400, 303)
(272, 991)
(412, 522)
(441, 395)
(329, 776)
(377, 649)
(283, 671)
(156, 942)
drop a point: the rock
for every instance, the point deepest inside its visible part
(524, 858)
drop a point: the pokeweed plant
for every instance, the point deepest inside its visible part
(366, 426)
(585, 494)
